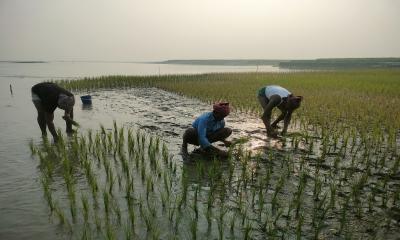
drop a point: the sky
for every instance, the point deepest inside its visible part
(154, 30)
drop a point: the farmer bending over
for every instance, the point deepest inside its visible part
(209, 128)
(277, 96)
(47, 97)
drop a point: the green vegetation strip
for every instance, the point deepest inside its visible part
(364, 100)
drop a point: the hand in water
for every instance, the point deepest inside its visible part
(275, 127)
(69, 120)
(70, 132)
(213, 151)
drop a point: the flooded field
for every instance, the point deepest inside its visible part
(23, 212)
(123, 183)
(128, 180)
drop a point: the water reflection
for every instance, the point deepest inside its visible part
(87, 107)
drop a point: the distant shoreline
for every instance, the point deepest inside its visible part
(315, 64)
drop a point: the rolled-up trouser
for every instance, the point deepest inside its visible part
(191, 136)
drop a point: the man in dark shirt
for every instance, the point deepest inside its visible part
(47, 97)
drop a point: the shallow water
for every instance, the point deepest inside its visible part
(23, 214)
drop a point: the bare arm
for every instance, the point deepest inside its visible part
(68, 117)
(274, 101)
(286, 122)
(69, 120)
(280, 118)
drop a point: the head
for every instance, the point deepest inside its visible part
(293, 102)
(221, 110)
(66, 102)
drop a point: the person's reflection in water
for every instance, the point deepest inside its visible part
(87, 107)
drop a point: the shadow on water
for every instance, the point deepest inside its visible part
(87, 107)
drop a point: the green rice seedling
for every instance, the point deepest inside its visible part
(72, 200)
(210, 197)
(278, 215)
(167, 183)
(317, 188)
(128, 231)
(195, 202)
(119, 178)
(97, 222)
(244, 212)
(332, 198)
(396, 196)
(261, 201)
(131, 213)
(247, 230)
(299, 193)
(106, 202)
(193, 228)
(110, 181)
(148, 217)
(343, 217)
(47, 193)
(117, 212)
(164, 199)
(143, 171)
(172, 210)
(85, 234)
(208, 214)
(110, 234)
(60, 214)
(178, 218)
(149, 186)
(300, 223)
(232, 222)
(222, 212)
(278, 188)
(85, 206)
(165, 155)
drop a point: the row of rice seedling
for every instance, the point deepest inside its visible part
(123, 183)
(364, 99)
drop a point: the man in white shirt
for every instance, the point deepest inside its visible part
(276, 96)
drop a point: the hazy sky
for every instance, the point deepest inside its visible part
(198, 29)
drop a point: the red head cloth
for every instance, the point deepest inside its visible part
(221, 108)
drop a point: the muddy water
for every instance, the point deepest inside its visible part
(23, 213)
(169, 115)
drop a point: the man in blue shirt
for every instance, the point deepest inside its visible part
(209, 128)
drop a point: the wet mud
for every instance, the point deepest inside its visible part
(280, 174)
(168, 115)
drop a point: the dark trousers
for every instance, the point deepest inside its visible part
(191, 136)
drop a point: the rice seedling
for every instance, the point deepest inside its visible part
(351, 159)
(247, 230)
(47, 193)
(193, 228)
(60, 214)
(85, 206)
(299, 226)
